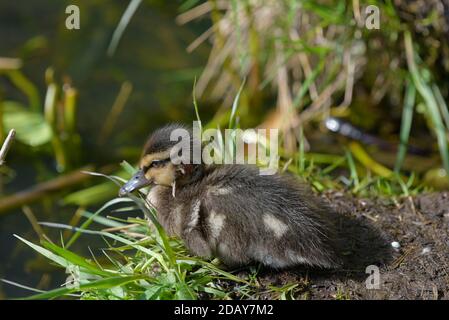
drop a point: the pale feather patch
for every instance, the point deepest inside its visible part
(173, 189)
(194, 215)
(274, 224)
(223, 249)
(216, 222)
(296, 258)
(153, 196)
(264, 256)
(177, 219)
(221, 191)
(162, 176)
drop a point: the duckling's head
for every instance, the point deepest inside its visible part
(157, 165)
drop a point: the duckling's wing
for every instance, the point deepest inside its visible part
(272, 219)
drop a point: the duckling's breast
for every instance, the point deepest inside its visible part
(169, 211)
(154, 196)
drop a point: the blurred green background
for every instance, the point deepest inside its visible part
(151, 60)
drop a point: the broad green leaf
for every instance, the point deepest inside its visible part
(31, 127)
(153, 292)
(183, 292)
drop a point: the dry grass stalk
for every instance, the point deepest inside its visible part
(6, 145)
(252, 38)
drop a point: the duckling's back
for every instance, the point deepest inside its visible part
(272, 219)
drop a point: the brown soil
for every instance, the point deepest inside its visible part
(418, 269)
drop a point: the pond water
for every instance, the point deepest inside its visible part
(151, 56)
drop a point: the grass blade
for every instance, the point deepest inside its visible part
(235, 105)
(364, 158)
(94, 285)
(352, 169)
(147, 251)
(406, 124)
(46, 253)
(195, 105)
(89, 221)
(426, 93)
(124, 21)
(75, 259)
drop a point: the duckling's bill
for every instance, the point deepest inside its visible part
(137, 182)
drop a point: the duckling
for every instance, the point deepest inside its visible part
(234, 213)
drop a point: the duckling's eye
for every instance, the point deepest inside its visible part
(159, 163)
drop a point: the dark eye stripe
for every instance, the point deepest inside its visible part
(155, 163)
(159, 162)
